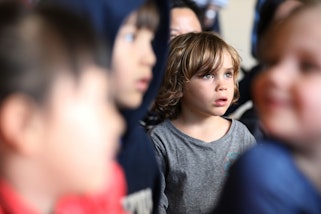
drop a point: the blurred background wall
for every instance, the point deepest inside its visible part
(236, 26)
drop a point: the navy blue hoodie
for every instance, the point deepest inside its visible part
(137, 154)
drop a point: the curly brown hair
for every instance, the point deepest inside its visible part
(190, 54)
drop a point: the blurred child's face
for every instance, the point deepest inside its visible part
(81, 132)
(287, 93)
(183, 20)
(212, 94)
(133, 60)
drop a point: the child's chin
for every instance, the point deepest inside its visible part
(134, 103)
(99, 186)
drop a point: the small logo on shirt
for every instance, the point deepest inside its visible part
(229, 160)
(139, 202)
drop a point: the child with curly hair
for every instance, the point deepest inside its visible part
(195, 145)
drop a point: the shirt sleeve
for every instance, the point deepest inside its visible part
(261, 182)
(242, 191)
(161, 159)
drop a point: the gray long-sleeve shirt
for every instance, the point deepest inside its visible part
(193, 171)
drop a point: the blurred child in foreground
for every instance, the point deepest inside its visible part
(284, 175)
(139, 52)
(138, 31)
(55, 108)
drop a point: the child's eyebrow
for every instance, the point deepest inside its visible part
(229, 69)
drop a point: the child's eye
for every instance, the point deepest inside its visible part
(307, 67)
(229, 74)
(208, 76)
(130, 37)
(268, 63)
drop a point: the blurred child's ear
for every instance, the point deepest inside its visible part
(20, 125)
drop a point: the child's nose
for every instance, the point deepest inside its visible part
(220, 83)
(149, 57)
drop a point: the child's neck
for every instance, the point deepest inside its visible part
(31, 186)
(207, 129)
(38, 202)
(310, 163)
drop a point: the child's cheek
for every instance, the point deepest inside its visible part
(309, 105)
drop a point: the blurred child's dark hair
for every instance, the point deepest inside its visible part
(148, 16)
(37, 44)
(191, 54)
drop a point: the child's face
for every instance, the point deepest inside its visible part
(81, 132)
(287, 93)
(133, 60)
(183, 20)
(212, 94)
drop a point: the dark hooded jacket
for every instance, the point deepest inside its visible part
(137, 154)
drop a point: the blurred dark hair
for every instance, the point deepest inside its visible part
(267, 13)
(37, 44)
(148, 16)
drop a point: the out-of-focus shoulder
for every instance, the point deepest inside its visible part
(264, 161)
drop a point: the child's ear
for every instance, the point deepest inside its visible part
(20, 124)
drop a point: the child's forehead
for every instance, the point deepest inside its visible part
(224, 56)
(302, 31)
(308, 18)
(90, 78)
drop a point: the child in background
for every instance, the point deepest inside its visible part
(185, 18)
(195, 145)
(55, 110)
(284, 175)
